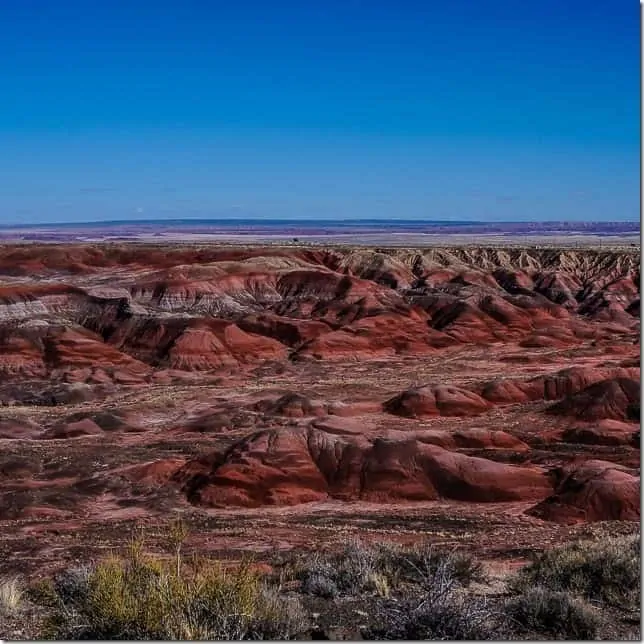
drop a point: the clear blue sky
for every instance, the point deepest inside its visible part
(495, 110)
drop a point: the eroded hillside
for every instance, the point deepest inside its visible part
(312, 390)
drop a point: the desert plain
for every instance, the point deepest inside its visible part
(289, 397)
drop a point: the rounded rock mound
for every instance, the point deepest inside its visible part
(606, 432)
(592, 491)
(436, 401)
(551, 386)
(305, 464)
(291, 405)
(614, 398)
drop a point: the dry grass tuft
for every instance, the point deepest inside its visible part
(11, 595)
(382, 569)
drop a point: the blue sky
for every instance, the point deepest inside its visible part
(496, 110)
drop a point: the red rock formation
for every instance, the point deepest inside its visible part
(35, 351)
(289, 331)
(85, 427)
(130, 359)
(592, 491)
(292, 405)
(301, 465)
(86, 423)
(328, 305)
(193, 344)
(472, 438)
(614, 398)
(605, 432)
(153, 473)
(14, 428)
(552, 387)
(375, 336)
(436, 401)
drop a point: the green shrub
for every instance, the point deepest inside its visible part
(143, 597)
(547, 612)
(606, 571)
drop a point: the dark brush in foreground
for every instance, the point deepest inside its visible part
(583, 590)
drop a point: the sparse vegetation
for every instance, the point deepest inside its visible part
(442, 611)
(453, 618)
(11, 595)
(320, 585)
(420, 563)
(606, 570)
(557, 614)
(177, 535)
(141, 596)
(72, 584)
(360, 568)
(415, 593)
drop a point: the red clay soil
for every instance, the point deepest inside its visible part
(140, 380)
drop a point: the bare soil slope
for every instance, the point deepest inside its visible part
(277, 396)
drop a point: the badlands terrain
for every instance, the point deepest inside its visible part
(288, 397)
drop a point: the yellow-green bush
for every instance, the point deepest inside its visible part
(144, 597)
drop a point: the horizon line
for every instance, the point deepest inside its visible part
(294, 222)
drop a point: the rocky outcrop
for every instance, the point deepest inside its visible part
(594, 490)
(292, 466)
(438, 400)
(566, 382)
(614, 398)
